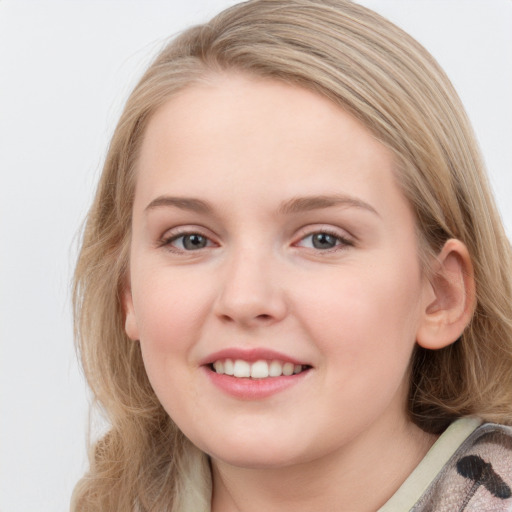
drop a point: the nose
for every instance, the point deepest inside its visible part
(251, 293)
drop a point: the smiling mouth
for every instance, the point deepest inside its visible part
(261, 369)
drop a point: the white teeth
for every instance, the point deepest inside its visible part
(228, 367)
(258, 370)
(242, 369)
(276, 369)
(219, 367)
(288, 369)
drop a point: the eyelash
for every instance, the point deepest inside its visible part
(342, 242)
(167, 241)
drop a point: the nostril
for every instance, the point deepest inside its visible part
(264, 318)
(226, 318)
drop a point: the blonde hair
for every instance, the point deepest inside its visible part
(379, 74)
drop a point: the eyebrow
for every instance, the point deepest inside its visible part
(294, 205)
(307, 203)
(184, 203)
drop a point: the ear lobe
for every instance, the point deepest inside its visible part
(451, 299)
(130, 321)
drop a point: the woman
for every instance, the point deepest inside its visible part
(287, 275)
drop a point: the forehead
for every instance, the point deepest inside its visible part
(241, 105)
(242, 132)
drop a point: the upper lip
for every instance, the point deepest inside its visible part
(250, 355)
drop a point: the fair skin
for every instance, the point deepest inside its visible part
(227, 261)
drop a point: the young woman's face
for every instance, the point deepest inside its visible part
(270, 237)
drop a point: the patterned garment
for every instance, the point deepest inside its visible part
(468, 469)
(477, 478)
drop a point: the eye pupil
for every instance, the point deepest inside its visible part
(323, 241)
(192, 242)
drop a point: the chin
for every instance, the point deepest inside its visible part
(255, 456)
(257, 461)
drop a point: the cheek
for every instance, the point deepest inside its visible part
(169, 317)
(169, 310)
(367, 316)
(169, 313)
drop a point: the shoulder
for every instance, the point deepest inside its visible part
(477, 477)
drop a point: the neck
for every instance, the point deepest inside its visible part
(361, 476)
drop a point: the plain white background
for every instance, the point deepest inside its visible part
(65, 71)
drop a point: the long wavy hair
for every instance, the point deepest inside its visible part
(390, 83)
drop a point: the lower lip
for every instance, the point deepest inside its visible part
(253, 389)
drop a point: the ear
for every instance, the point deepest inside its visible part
(450, 300)
(130, 321)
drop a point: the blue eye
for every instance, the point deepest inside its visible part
(323, 241)
(189, 242)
